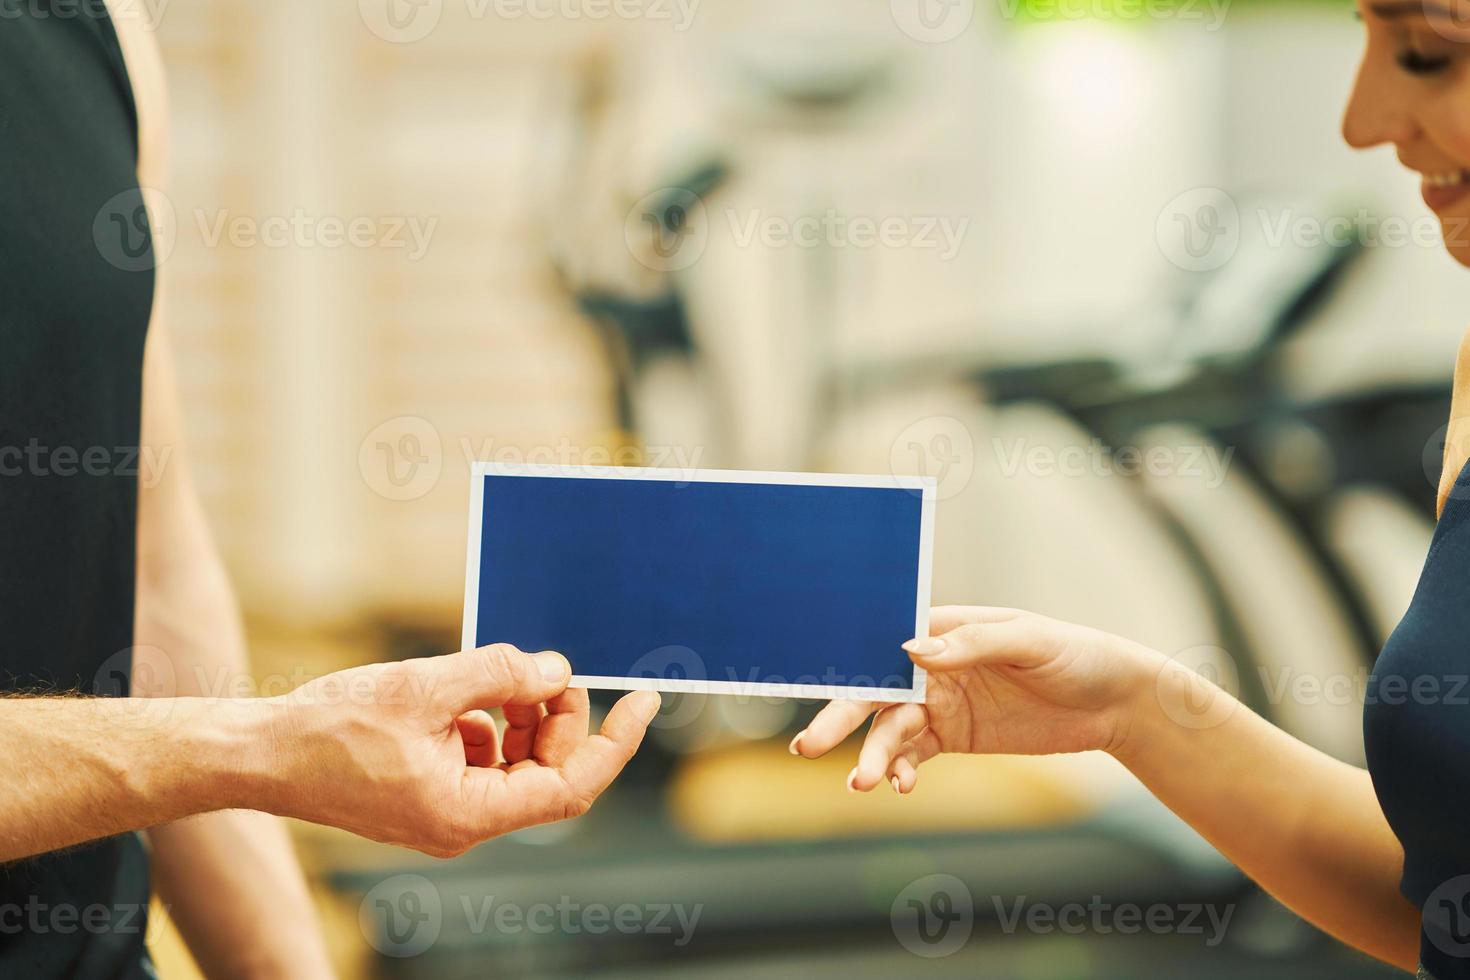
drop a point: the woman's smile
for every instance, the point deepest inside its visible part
(1443, 189)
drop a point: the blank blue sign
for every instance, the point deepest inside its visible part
(704, 583)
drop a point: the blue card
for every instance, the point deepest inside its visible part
(769, 584)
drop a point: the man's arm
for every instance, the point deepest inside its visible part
(230, 879)
(78, 769)
(398, 752)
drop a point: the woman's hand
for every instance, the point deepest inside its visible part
(1000, 681)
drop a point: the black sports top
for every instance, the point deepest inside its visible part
(1417, 730)
(76, 288)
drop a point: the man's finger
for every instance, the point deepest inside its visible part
(502, 800)
(568, 718)
(522, 724)
(599, 758)
(480, 737)
(496, 675)
(892, 728)
(828, 729)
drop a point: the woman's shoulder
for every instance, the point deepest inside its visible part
(1457, 435)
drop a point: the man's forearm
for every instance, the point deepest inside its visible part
(77, 769)
(1304, 825)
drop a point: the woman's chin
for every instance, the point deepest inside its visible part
(1460, 252)
(1456, 239)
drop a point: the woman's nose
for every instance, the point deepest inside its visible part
(1378, 112)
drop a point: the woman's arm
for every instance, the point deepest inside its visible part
(1306, 827)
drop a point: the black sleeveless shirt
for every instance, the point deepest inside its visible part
(1417, 734)
(76, 289)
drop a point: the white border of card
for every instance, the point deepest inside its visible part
(924, 485)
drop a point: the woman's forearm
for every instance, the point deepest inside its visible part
(1305, 826)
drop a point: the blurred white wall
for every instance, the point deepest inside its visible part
(1058, 145)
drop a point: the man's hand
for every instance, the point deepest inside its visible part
(405, 753)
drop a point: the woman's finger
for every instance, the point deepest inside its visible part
(828, 729)
(914, 753)
(903, 776)
(892, 728)
(942, 619)
(1021, 641)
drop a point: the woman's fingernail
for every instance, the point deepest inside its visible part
(897, 788)
(852, 778)
(928, 646)
(792, 747)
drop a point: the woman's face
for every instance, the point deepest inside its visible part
(1413, 90)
